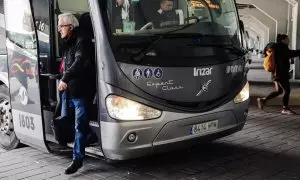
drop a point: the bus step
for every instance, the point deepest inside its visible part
(58, 149)
(93, 149)
(94, 124)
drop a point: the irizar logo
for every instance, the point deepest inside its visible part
(202, 71)
(204, 88)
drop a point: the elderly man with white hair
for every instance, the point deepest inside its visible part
(74, 83)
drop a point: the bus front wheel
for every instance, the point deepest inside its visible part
(8, 138)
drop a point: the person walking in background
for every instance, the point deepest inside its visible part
(281, 75)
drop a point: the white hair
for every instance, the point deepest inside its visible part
(69, 18)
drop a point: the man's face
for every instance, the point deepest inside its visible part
(120, 2)
(166, 6)
(286, 41)
(63, 28)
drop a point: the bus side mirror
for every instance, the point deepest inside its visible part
(249, 61)
(248, 58)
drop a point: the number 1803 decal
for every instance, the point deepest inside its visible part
(26, 122)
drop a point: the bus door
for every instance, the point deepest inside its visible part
(23, 65)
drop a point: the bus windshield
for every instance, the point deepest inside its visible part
(135, 17)
(213, 22)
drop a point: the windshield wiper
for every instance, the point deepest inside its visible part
(232, 48)
(139, 56)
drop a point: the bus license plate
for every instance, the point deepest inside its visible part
(204, 127)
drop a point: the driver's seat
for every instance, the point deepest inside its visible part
(149, 9)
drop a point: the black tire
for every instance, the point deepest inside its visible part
(8, 141)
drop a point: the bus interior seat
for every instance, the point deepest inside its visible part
(85, 26)
(149, 9)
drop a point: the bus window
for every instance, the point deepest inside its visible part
(41, 15)
(76, 7)
(73, 6)
(21, 34)
(3, 57)
(2, 29)
(215, 20)
(125, 14)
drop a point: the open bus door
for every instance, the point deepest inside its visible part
(23, 69)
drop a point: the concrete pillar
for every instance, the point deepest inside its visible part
(257, 26)
(296, 21)
(264, 19)
(275, 9)
(253, 36)
(255, 32)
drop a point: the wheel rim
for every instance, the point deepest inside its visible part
(6, 123)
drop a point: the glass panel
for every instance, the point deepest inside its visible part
(146, 17)
(174, 32)
(2, 31)
(19, 25)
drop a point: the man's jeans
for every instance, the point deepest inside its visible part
(81, 123)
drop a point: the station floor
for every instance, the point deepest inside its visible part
(267, 148)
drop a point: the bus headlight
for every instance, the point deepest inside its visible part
(124, 109)
(243, 95)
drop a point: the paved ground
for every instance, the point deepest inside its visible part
(263, 89)
(267, 148)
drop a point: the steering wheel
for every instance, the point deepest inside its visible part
(146, 26)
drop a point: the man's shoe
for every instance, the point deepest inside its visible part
(260, 103)
(288, 111)
(73, 167)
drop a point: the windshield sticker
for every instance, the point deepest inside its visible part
(204, 88)
(202, 71)
(171, 88)
(158, 73)
(159, 84)
(165, 85)
(148, 73)
(137, 73)
(234, 69)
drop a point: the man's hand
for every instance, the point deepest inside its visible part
(62, 86)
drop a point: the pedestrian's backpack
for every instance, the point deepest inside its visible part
(269, 61)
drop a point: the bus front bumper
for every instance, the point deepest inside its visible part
(171, 131)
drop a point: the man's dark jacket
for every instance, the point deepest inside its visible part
(79, 71)
(164, 16)
(282, 55)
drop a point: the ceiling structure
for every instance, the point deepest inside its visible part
(267, 18)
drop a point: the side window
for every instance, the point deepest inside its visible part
(1, 7)
(19, 25)
(41, 16)
(2, 29)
